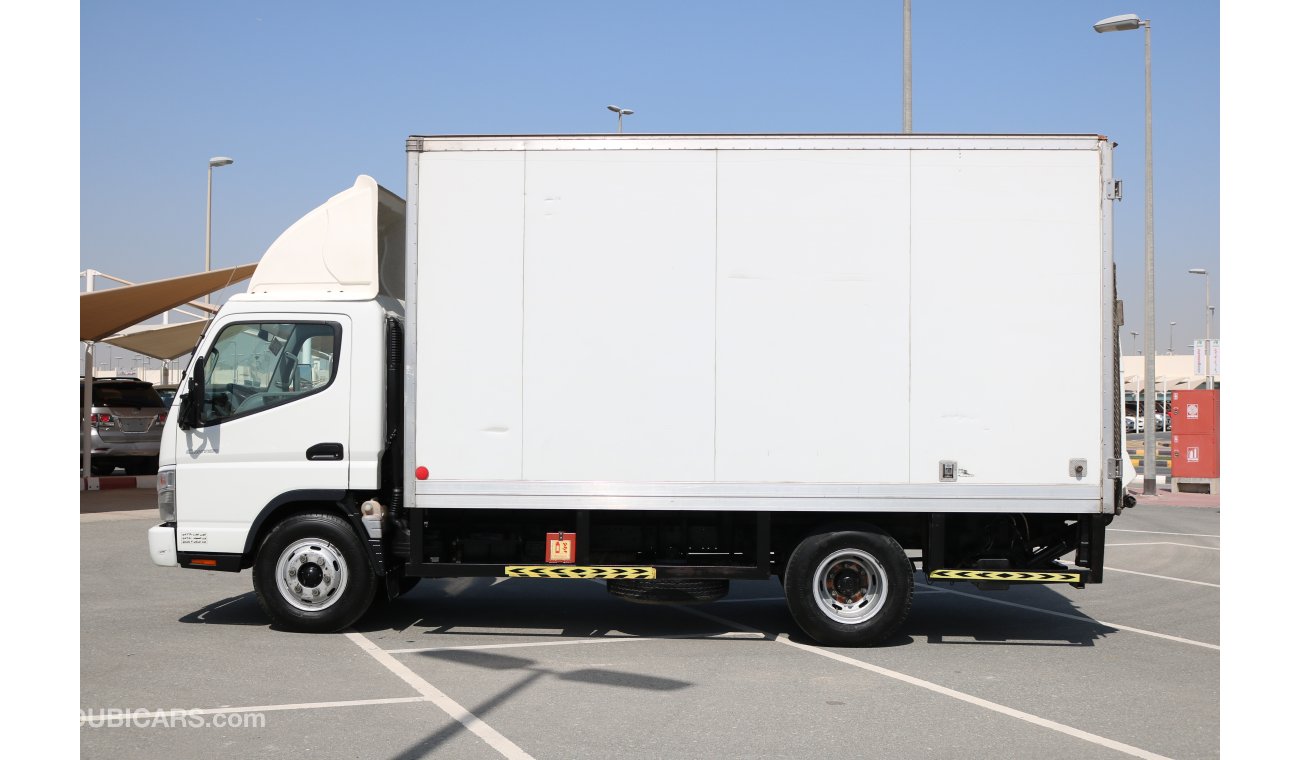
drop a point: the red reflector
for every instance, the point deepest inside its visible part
(421, 473)
(205, 562)
(162, 418)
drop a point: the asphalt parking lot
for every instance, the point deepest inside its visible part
(553, 668)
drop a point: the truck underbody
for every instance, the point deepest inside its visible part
(741, 545)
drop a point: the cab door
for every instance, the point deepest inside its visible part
(273, 419)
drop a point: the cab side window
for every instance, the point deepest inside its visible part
(256, 366)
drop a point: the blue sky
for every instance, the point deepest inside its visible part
(305, 96)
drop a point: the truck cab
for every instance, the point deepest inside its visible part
(287, 393)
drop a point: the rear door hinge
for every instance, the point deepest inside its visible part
(1114, 468)
(1115, 190)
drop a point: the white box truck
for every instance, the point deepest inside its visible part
(668, 362)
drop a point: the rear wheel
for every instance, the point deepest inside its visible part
(312, 575)
(849, 588)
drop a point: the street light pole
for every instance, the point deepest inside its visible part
(1129, 22)
(1209, 317)
(1134, 333)
(907, 66)
(621, 113)
(207, 247)
(1171, 338)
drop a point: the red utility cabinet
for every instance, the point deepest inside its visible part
(1194, 412)
(1194, 417)
(1195, 456)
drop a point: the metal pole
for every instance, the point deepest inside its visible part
(87, 389)
(1149, 402)
(1171, 338)
(620, 122)
(1209, 379)
(907, 66)
(207, 245)
(1134, 333)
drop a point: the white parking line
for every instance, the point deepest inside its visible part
(592, 640)
(1169, 543)
(264, 708)
(1110, 569)
(1080, 617)
(944, 690)
(1160, 532)
(445, 703)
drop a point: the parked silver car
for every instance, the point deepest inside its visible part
(126, 422)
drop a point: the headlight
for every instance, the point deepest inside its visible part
(167, 495)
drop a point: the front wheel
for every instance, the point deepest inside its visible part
(849, 588)
(312, 575)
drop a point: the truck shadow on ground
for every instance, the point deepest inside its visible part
(466, 611)
(241, 609)
(475, 611)
(1028, 616)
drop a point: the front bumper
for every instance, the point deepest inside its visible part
(124, 448)
(162, 545)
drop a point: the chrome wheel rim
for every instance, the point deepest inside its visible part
(311, 574)
(850, 586)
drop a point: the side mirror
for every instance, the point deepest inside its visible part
(193, 401)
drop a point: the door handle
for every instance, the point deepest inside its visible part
(325, 452)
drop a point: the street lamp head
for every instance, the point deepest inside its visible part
(1196, 271)
(1125, 23)
(220, 161)
(615, 109)
(620, 111)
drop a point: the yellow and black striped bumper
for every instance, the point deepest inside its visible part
(1008, 576)
(578, 571)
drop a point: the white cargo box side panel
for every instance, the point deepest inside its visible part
(471, 307)
(812, 316)
(1006, 315)
(619, 316)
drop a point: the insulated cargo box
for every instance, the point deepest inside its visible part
(794, 323)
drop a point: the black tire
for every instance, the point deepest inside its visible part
(671, 591)
(100, 469)
(342, 571)
(849, 587)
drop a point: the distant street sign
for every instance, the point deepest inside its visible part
(1199, 356)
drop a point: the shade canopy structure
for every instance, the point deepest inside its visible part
(108, 312)
(160, 341)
